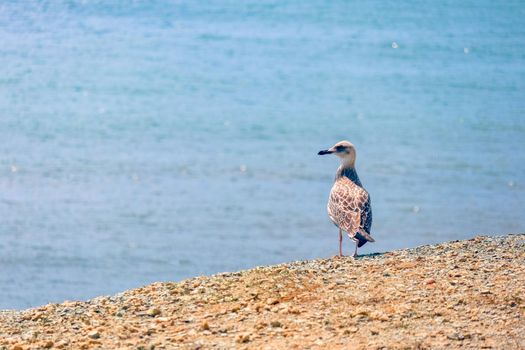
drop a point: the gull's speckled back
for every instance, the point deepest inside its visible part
(349, 204)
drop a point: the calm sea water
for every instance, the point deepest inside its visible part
(145, 141)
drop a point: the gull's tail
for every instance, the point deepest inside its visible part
(363, 237)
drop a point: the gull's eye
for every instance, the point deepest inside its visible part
(340, 148)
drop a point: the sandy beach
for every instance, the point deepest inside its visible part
(465, 294)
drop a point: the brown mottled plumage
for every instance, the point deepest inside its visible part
(349, 203)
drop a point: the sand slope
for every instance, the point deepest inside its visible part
(468, 294)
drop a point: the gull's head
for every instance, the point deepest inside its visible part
(344, 150)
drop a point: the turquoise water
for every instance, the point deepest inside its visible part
(146, 141)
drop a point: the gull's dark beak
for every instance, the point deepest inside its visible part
(326, 151)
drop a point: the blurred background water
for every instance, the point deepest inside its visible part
(159, 140)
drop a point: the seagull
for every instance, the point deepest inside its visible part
(349, 203)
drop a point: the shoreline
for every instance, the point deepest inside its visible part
(468, 294)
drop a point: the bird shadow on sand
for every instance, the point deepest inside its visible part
(360, 256)
(370, 255)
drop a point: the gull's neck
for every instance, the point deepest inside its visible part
(349, 172)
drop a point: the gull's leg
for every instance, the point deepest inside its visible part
(340, 243)
(355, 252)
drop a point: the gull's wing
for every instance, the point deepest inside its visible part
(349, 207)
